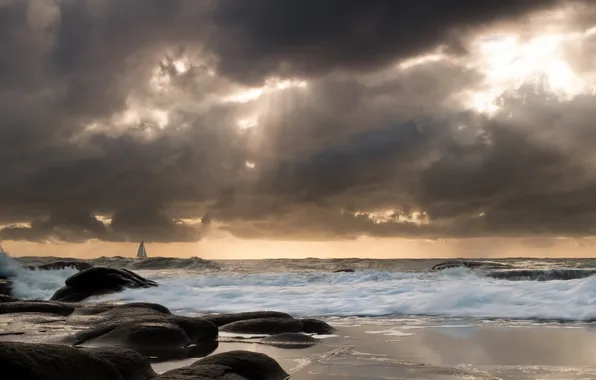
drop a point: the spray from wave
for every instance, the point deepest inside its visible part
(30, 283)
(457, 292)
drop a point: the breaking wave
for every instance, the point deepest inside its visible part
(457, 292)
(32, 284)
(541, 274)
(310, 288)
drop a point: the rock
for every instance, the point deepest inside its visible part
(345, 270)
(98, 281)
(161, 340)
(47, 307)
(315, 326)
(232, 365)
(264, 326)
(144, 334)
(290, 340)
(140, 306)
(195, 328)
(130, 364)
(224, 319)
(57, 265)
(53, 362)
(107, 311)
(129, 308)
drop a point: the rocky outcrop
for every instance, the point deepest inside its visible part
(264, 326)
(269, 323)
(130, 364)
(57, 362)
(99, 281)
(232, 365)
(149, 329)
(54, 362)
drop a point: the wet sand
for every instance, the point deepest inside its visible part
(390, 350)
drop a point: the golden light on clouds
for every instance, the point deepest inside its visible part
(395, 216)
(272, 85)
(507, 62)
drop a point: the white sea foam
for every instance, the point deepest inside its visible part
(32, 284)
(451, 293)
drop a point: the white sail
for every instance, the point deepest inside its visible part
(141, 252)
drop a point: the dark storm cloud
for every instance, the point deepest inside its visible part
(362, 137)
(314, 37)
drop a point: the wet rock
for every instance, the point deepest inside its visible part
(264, 326)
(130, 308)
(130, 364)
(98, 281)
(57, 265)
(224, 319)
(195, 328)
(136, 306)
(149, 338)
(344, 270)
(290, 340)
(315, 326)
(53, 362)
(232, 365)
(47, 307)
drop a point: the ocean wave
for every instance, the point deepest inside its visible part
(541, 274)
(451, 293)
(30, 283)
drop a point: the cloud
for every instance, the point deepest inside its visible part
(290, 119)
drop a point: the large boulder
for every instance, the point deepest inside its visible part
(53, 362)
(232, 365)
(130, 364)
(98, 281)
(264, 326)
(151, 330)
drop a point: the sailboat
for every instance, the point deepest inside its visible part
(141, 252)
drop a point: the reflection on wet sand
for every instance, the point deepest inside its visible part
(466, 351)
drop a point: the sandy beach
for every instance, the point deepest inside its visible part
(398, 349)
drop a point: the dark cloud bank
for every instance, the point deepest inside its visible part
(324, 157)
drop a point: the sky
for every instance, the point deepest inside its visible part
(233, 128)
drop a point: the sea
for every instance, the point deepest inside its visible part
(520, 289)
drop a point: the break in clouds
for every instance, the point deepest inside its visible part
(166, 120)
